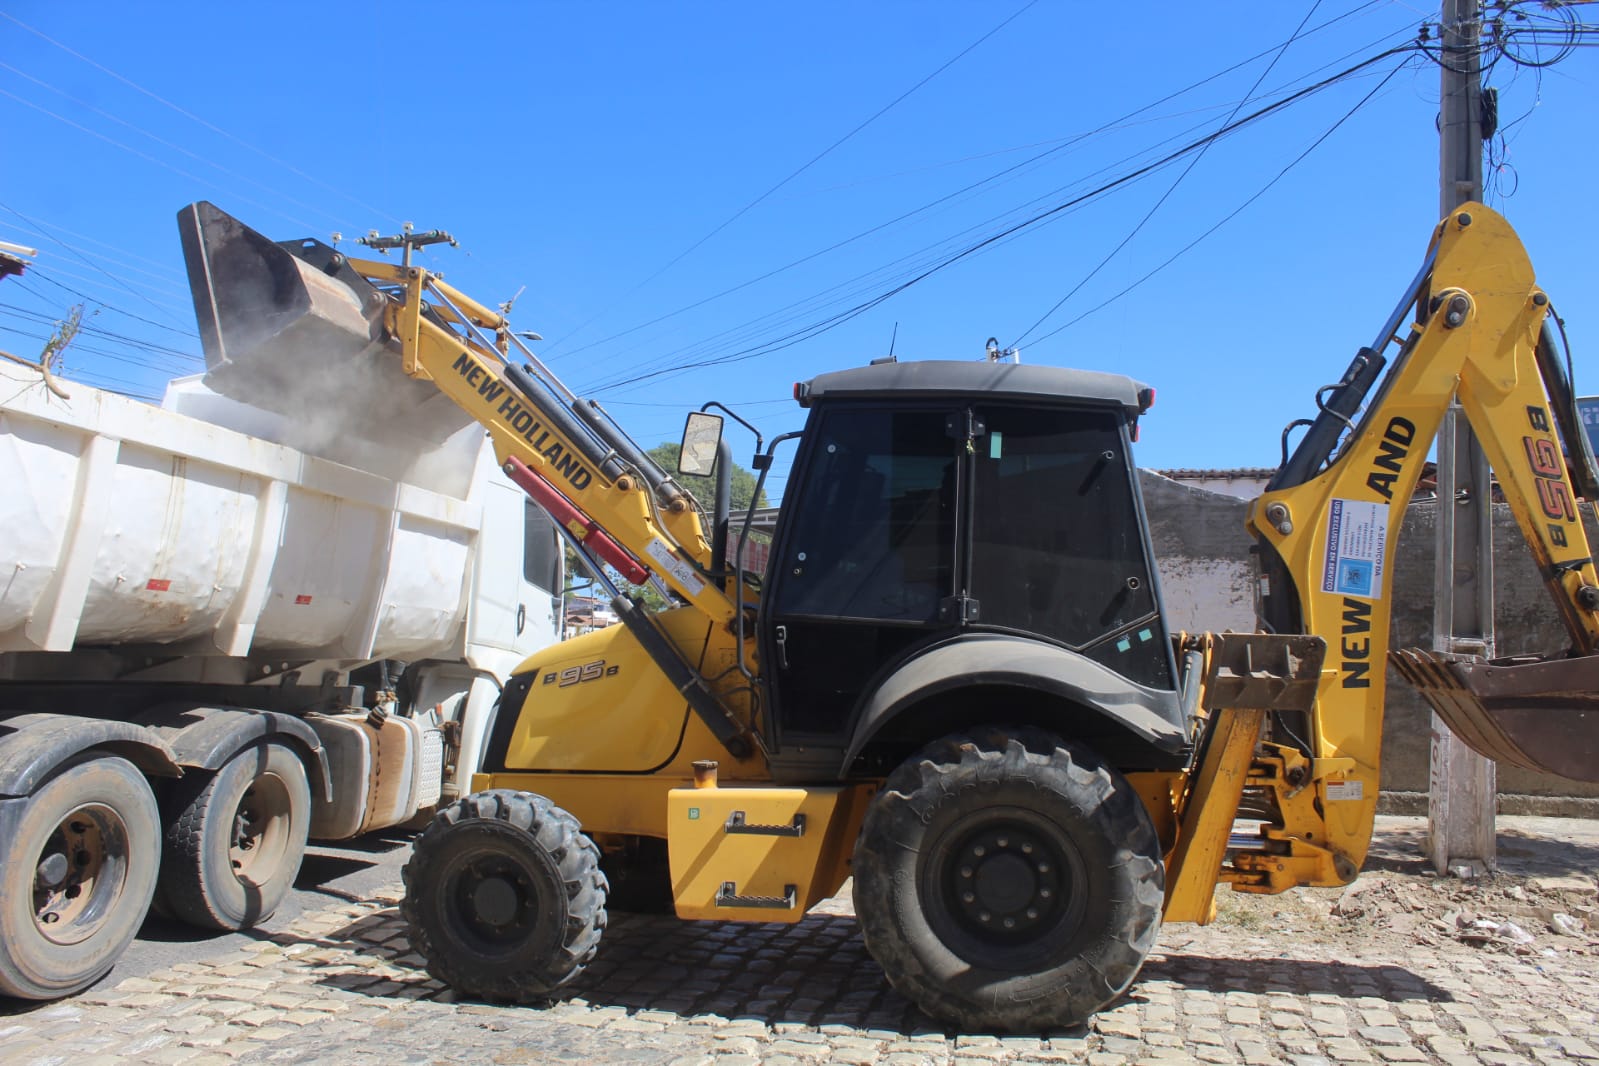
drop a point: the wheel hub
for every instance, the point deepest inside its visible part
(495, 900)
(1006, 882)
(79, 873)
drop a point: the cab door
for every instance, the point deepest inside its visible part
(865, 565)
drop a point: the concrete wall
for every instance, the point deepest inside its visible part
(1206, 577)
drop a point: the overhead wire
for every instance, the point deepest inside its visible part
(741, 212)
(986, 181)
(1230, 215)
(1193, 161)
(825, 325)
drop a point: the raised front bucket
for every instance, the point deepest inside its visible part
(1538, 714)
(293, 329)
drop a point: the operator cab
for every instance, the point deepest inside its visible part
(954, 534)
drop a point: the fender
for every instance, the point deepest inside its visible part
(32, 746)
(1151, 715)
(204, 738)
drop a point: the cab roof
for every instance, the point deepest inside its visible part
(973, 379)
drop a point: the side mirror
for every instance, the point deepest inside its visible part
(702, 436)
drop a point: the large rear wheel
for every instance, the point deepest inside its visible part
(504, 897)
(235, 844)
(1008, 880)
(77, 879)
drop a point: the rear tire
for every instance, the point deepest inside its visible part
(1008, 880)
(235, 844)
(504, 897)
(77, 879)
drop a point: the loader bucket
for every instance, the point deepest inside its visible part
(1536, 713)
(292, 328)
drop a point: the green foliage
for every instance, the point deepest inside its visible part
(704, 488)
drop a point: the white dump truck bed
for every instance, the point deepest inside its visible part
(124, 523)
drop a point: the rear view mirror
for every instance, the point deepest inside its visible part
(702, 436)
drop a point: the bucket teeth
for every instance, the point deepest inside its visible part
(1541, 714)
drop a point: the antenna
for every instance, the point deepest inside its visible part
(892, 337)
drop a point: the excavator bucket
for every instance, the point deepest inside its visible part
(1535, 713)
(292, 328)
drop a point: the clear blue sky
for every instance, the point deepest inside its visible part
(626, 163)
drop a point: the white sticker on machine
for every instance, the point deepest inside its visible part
(1357, 535)
(1345, 790)
(668, 561)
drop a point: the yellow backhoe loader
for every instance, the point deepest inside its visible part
(953, 680)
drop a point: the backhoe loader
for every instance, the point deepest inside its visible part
(953, 680)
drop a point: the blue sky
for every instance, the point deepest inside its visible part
(679, 183)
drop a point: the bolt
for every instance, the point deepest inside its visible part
(1027, 849)
(1539, 299)
(1043, 893)
(1003, 842)
(968, 898)
(1010, 923)
(966, 871)
(1464, 218)
(1458, 306)
(1043, 867)
(984, 916)
(979, 851)
(1032, 912)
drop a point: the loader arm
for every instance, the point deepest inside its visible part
(1328, 524)
(300, 329)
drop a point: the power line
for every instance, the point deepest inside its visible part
(825, 325)
(130, 83)
(50, 236)
(741, 212)
(1232, 214)
(1064, 143)
(1193, 162)
(48, 280)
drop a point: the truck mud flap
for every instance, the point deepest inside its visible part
(1535, 713)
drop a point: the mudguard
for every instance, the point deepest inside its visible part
(204, 738)
(1152, 716)
(32, 746)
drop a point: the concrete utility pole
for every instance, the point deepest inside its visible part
(1462, 792)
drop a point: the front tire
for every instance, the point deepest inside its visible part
(77, 879)
(235, 844)
(504, 897)
(1008, 881)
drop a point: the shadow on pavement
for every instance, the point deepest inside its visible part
(1296, 977)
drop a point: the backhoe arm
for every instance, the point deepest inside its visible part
(1328, 524)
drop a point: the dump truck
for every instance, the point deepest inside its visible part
(223, 631)
(953, 681)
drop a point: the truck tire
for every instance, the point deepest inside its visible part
(77, 878)
(1008, 880)
(236, 839)
(504, 897)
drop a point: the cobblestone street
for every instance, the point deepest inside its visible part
(341, 986)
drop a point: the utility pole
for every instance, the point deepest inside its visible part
(1462, 787)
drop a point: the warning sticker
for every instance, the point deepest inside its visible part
(686, 576)
(1346, 790)
(1357, 534)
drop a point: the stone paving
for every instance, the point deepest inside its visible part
(342, 986)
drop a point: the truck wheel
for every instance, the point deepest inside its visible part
(1008, 880)
(234, 847)
(504, 897)
(77, 879)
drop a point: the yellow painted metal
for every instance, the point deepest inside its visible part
(472, 376)
(1207, 814)
(599, 704)
(1487, 355)
(809, 867)
(1160, 792)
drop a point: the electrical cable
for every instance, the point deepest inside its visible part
(741, 212)
(832, 322)
(1193, 162)
(1234, 213)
